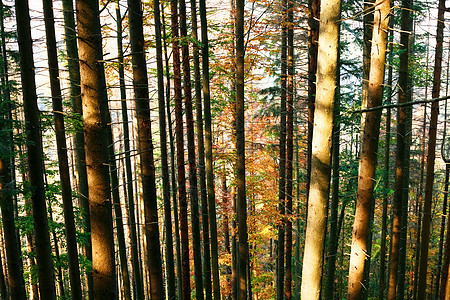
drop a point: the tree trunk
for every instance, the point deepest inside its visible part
(63, 162)
(141, 94)
(193, 190)
(369, 149)
(400, 197)
(431, 154)
(241, 202)
(208, 152)
(93, 91)
(186, 289)
(137, 275)
(35, 161)
(321, 154)
(289, 147)
(77, 109)
(445, 291)
(201, 158)
(282, 153)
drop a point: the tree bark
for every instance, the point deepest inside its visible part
(208, 152)
(63, 162)
(422, 286)
(93, 93)
(321, 154)
(141, 94)
(34, 149)
(369, 149)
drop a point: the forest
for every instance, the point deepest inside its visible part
(259, 149)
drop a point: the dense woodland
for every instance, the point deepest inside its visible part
(271, 149)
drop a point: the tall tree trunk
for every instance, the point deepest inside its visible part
(313, 39)
(431, 153)
(170, 266)
(186, 289)
(282, 153)
(137, 275)
(208, 152)
(141, 94)
(369, 149)
(193, 190)
(321, 145)
(444, 290)
(77, 109)
(63, 162)
(289, 146)
(400, 197)
(16, 283)
(172, 161)
(93, 91)
(34, 147)
(240, 153)
(335, 150)
(4, 293)
(201, 157)
(386, 177)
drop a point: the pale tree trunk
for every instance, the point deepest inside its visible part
(321, 150)
(63, 162)
(141, 94)
(34, 147)
(93, 92)
(369, 149)
(423, 265)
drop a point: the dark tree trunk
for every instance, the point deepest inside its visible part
(63, 162)
(170, 266)
(201, 157)
(208, 152)
(141, 94)
(34, 146)
(137, 274)
(93, 91)
(75, 95)
(186, 289)
(193, 190)
(400, 196)
(241, 202)
(422, 287)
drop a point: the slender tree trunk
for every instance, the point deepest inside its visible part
(369, 149)
(282, 160)
(75, 95)
(35, 161)
(193, 190)
(400, 197)
(93, 91)
(170, 266)
(241, 202)
(387, 145)
(321, 154)
(141, 94)
(208, 152)
(289, 147)
(313, 39)
(186, 289)
(16, 283)
(431, 153)
(201, 157)
(4, 293)
(63, 162)
(172, 161)
(137, 275)
(445, 291)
